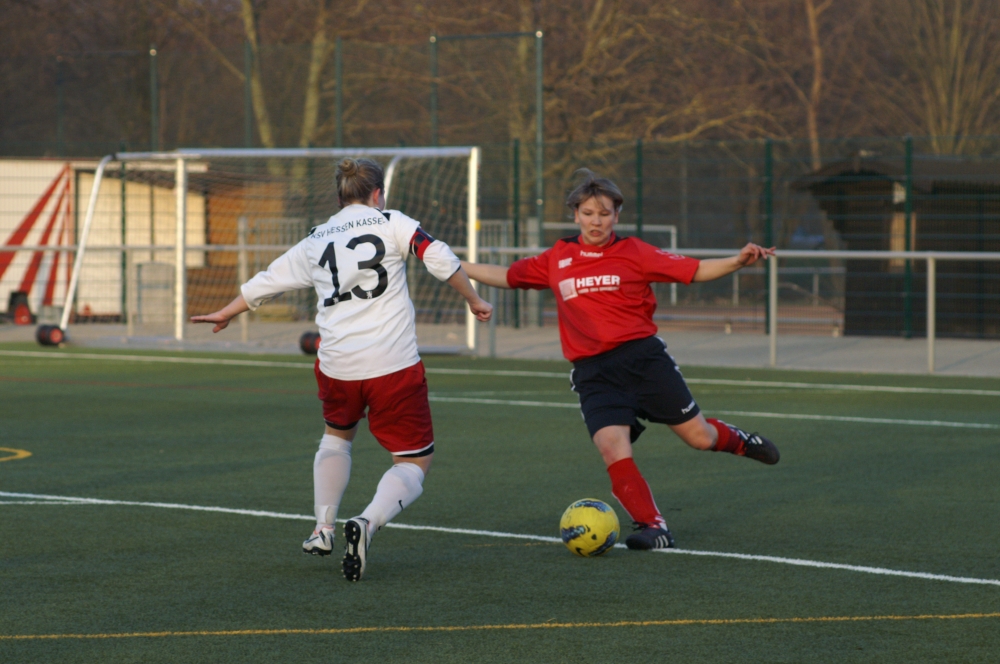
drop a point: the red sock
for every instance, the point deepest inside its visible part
(729, 440)
(631, 490)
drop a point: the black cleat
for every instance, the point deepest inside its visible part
(650, 537)
(356, 552)
(757, 447)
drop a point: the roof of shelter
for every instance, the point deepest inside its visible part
(928, 171)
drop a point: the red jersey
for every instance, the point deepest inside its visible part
(602, 293)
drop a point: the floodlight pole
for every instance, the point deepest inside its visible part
(539, 134)
(247, 95)
(339, 67)
(434, 91)
(154, 101)
(539, 159)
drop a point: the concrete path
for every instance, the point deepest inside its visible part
(955, 357)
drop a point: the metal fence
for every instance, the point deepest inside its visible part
(869, 195)
(784, 300)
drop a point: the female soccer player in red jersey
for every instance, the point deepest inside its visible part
(367, 357)
(621, 369)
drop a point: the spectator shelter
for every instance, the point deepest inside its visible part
(927, 203)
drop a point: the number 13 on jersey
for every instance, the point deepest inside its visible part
(329, 260)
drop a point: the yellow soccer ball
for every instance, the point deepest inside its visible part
(589, 527)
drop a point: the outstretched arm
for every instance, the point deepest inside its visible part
(288, 271)
(491, 275)
(460, 282)
(713, 268)
(222, 317)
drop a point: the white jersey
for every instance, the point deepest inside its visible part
(356, 261)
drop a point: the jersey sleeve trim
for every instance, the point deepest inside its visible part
(419, 242)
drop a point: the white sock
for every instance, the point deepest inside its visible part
(398, 488)
(331, 472)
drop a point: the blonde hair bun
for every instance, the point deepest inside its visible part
(357, 179)
(348, 167)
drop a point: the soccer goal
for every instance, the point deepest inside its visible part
(170, 234)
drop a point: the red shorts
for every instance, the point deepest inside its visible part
(399, 415)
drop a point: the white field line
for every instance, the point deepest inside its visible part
(500, 372)
(746, 413)
(40, 502)
(846, 388)
(798, 562)
(490, 372)
(865, 420)
(541, 374)
(153, 358)
(503, 402)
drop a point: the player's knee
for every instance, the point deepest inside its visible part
(613, 444)
(335, 444)
(421, 462)
(410, 475)
(700, 438)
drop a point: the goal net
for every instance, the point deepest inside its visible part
(169, 235)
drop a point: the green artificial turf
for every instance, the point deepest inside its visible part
(899, 496)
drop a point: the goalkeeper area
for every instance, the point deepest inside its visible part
(154, 504)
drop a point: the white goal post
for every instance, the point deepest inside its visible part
(435, 185)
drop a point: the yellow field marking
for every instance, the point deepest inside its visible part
(513, 626)
(15, 454)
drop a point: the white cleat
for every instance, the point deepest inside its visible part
(320, 543)
(356, 552)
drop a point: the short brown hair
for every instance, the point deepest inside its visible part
(357, 179)
(591, 186)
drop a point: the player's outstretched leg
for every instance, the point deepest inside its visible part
(737, 441)
(331, 472)
(399, 487)
(632, 491)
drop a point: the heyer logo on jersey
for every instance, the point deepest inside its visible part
(570, 288)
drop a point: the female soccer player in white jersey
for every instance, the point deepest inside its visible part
(368, 351)
(621, 369)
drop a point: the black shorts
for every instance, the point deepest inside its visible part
(638, 379)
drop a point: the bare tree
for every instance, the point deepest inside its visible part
(790, 49)
(944, 66)
(250, 16)
(206, 26)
